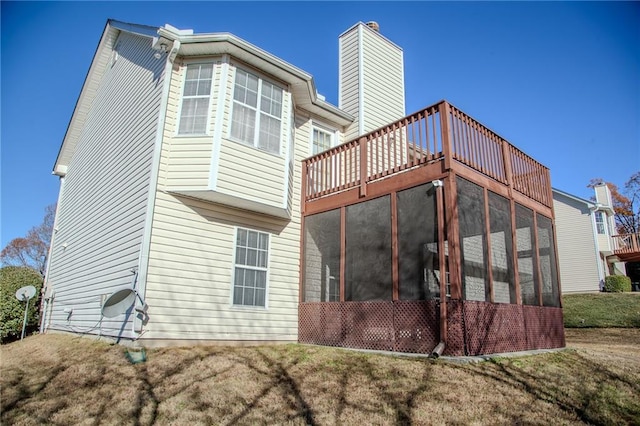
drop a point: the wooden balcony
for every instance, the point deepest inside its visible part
(627, 247)
(441, 137)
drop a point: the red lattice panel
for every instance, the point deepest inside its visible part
(368, 325)
(493, 328)
(417, 325)
(455, 329)
(320, 323)
(544, 327)
(402, 326)
(473, 328)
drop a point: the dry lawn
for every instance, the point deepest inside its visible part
(59, 379)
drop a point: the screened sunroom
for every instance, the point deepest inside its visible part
(430, 234)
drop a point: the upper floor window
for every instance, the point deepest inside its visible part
(195, 99)
(322, 140)
(257, 112)
(250, 274)
(600, 223)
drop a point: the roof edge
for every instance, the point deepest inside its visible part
(590, 204)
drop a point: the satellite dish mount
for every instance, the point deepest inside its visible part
(24, 294)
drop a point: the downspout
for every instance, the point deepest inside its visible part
(143, 263)
(439, 349)
(596, 244)
(45, 284)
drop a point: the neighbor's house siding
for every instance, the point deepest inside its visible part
(102, 208)
(576, 245)
(191, 259)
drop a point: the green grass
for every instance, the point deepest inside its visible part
(601, 310)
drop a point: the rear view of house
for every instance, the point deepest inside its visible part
(206, 182)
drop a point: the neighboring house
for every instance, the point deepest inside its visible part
(210, 176)
(585, 231)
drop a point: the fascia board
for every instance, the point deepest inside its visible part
(226, 43)
(589, 204)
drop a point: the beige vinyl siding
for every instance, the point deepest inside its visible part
(188, 158)
(383, 81)
(576, 246)
(247, 172)
(103, 205)
(189, 162)
(189, 281)
(349, 72)
(189, 284)
(349, 79)
(371, 80)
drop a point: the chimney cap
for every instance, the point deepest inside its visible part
(374, 26)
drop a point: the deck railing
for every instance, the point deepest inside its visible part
(626, 243)
(439, 132)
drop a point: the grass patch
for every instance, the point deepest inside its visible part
(62, 379)
(601, 310)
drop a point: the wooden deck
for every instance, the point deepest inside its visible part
(627, 247)
(440, 136)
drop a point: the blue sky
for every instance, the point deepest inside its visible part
(559, 80)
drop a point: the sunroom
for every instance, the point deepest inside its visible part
(430, 235)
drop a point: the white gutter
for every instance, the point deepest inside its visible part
(143, 264)
(235, 44)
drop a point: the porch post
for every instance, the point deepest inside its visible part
(363, 166)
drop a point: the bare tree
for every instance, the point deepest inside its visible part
(32, 250)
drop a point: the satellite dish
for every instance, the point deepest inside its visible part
(118, 302)
(25, 293)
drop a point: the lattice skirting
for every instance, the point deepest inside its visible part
(473, 328)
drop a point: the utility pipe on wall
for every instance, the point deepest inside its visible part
(439, 349)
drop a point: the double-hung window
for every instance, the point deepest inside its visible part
(600, 222)
(194, 113)
(257, 112)
(250, 270)
(321, 140)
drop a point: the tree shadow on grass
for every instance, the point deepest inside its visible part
(280, 379)
(384, 382)
(583, 396)
(148, 400)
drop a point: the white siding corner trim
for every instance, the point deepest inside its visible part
(143, 264)
(219, 117)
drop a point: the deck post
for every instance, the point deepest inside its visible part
(447, 149)
(303, 190)
(363, 166)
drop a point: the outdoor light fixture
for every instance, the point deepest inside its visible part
(162, 50)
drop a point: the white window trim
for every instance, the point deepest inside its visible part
(283, 122)
(605, 225)
(233, 272)
(334, 161)
(183, 82)
(323, 128)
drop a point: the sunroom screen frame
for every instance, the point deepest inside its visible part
(440, 143)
